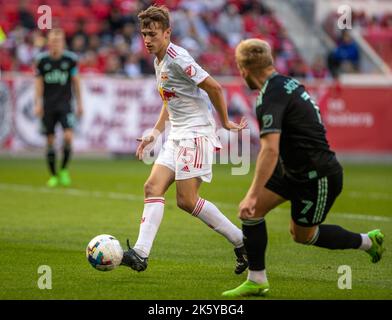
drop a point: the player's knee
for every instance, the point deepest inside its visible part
(299, 237)
(67, 141)
(151, 190)
(50, 140)
(68, 138)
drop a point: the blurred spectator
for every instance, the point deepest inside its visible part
(27, 50)
(230, 25)
(90, 63)
(94, 43)
(113, 65)
(318, 69)
(345, 57)
(132, 66)
(115, 19)
(195, 6)
(106, 37)
(298, 69)
(185, 23)
(81, 30)
(105, 34)
(26, 19)
(78, 45)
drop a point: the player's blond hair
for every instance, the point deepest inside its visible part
(254, 54)
(56, 32)
(155, 14)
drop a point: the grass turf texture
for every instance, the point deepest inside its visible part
(41, 226)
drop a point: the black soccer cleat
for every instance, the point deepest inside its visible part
(242, 260)
(133, 260)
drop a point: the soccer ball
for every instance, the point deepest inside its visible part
(104, 252)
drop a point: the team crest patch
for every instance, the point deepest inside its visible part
(190, 71)
(164, 76)
(267, 121)
(47, 66)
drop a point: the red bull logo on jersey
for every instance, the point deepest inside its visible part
(167, 95)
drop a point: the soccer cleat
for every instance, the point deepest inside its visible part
(376, 249)
(52, 182)
(133, 260)
(242, 260)
(247, 289)
(64, 178)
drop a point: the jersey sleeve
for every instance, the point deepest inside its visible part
(38, 67)
(271, 111)
(189, 69)
(74, 69)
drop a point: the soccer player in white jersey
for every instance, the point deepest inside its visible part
(186, 157)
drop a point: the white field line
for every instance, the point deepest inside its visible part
(370, 195)
(133, 197)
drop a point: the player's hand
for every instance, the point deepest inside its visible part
(230, 125)
(144, 142)
(38, 111)
(247, 208)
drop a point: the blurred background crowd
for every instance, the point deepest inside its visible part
(105, 36)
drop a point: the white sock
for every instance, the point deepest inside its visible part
(257, 276)
(210, 215)
(151, 220)
(366, 242)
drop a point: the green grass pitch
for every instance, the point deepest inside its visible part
(41, 226)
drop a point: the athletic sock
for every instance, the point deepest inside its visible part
(335, 237)
(366, 242)
(257, 276)
(151, 220)
(67, 150)
(255, 240)
(211, 215)
(51, 160)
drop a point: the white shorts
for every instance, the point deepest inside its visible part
(189, 158)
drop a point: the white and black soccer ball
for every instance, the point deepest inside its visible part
(104, 252)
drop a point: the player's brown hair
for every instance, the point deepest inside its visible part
(254, 54)
(155, 14)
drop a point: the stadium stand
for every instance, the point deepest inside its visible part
(106, 38)
(376, 29)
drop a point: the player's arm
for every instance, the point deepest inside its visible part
(38, 96)
(215, 93)
(266, 162)
(161, 122)
(270, 115)
(159, 127)
(77, 92)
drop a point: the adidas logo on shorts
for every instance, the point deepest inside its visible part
(186, 169)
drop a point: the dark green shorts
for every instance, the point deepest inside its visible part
(310, 200)
(51, 118)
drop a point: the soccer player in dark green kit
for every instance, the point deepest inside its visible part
(56, 81)
(295, 163)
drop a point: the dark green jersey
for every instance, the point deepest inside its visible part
(284, 106)
(57, 74)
